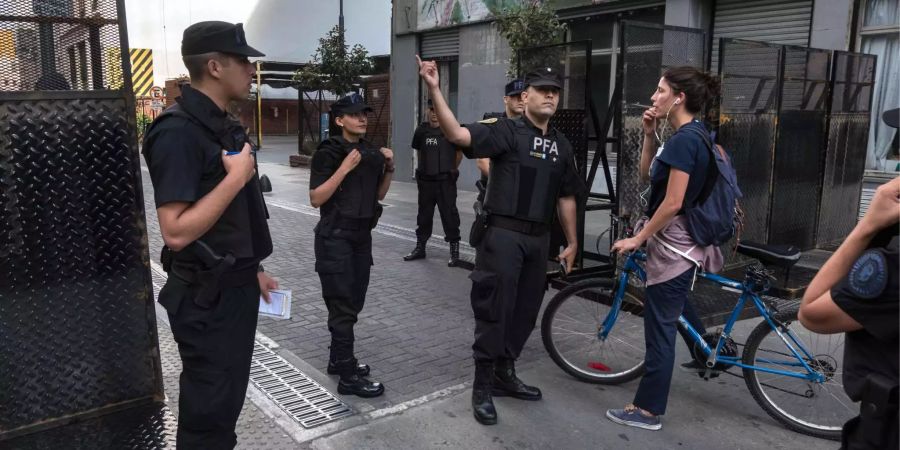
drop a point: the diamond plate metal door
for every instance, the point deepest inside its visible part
(76, 311)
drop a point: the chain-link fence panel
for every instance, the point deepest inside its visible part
(748, 112)
(76, 312)
(852, 78)
(800, 147)
(60, 45)
(647, 50)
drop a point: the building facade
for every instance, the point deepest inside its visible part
(473, 58)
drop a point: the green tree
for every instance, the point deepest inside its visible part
(334, 67)
(142, 122)
(530, 24)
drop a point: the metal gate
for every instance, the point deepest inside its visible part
(793, 119)
(852, 79)
(799, 147)
(748, 113)
(77, 321)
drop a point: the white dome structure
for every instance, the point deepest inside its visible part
(289, 30)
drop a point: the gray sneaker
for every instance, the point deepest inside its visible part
(632, 417)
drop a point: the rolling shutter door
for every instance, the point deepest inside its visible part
(775, 21)
(440, 44)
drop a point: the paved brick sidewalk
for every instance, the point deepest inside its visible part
(416, 329)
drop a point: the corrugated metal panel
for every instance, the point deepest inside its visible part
(440, 44)
(776, 21)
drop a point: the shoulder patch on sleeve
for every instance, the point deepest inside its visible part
(869, 275)
(490, 121)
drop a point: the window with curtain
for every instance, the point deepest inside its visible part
(878, 35)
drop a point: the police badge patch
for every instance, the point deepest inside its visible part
(868, 277)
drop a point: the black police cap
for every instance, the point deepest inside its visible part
(349, 104)
(543, 77)
(215, 36)
(514, 87)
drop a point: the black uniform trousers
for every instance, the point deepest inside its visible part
(508, 286)
(216, 346)
(344, 261)
(443, 194)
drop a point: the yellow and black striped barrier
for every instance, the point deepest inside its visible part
(142, 71)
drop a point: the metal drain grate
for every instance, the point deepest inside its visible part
(302, 398)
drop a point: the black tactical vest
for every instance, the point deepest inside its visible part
(242, 229)
(357, 196)
(525, 183)
(437, 156)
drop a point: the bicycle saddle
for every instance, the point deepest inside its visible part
(775, 255)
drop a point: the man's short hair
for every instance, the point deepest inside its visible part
(196, 64)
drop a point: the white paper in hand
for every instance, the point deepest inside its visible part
(280, 306)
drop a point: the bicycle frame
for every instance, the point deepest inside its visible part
(746, 289)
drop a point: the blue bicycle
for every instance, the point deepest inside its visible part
(594, 330)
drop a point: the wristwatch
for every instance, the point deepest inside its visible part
(388, 169)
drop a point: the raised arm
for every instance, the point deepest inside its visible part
(455, 133)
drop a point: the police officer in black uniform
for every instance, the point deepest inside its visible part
(513, 107)
(436, 179)
(349, 175)
(213, 220)
(857, 292)
(532, 176)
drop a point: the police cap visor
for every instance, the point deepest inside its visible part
(215, 36)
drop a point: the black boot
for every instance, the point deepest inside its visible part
(417, 253)
(506, 383)
(361, 369)
(482, 402)
(351, 383)
(454, 254)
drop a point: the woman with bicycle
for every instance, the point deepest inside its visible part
(677, 171)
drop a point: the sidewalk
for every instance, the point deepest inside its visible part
(416, 332)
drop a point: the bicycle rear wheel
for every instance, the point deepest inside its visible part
(812, 408)
(570, 331)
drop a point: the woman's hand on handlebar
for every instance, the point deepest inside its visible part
(626, 245)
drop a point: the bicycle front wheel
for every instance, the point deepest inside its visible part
(814, 408)
(571, 328)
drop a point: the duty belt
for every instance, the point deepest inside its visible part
(344, 223)
(438, 177)
(522, 226)
(199, 264)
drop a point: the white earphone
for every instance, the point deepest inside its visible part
(677, 101)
